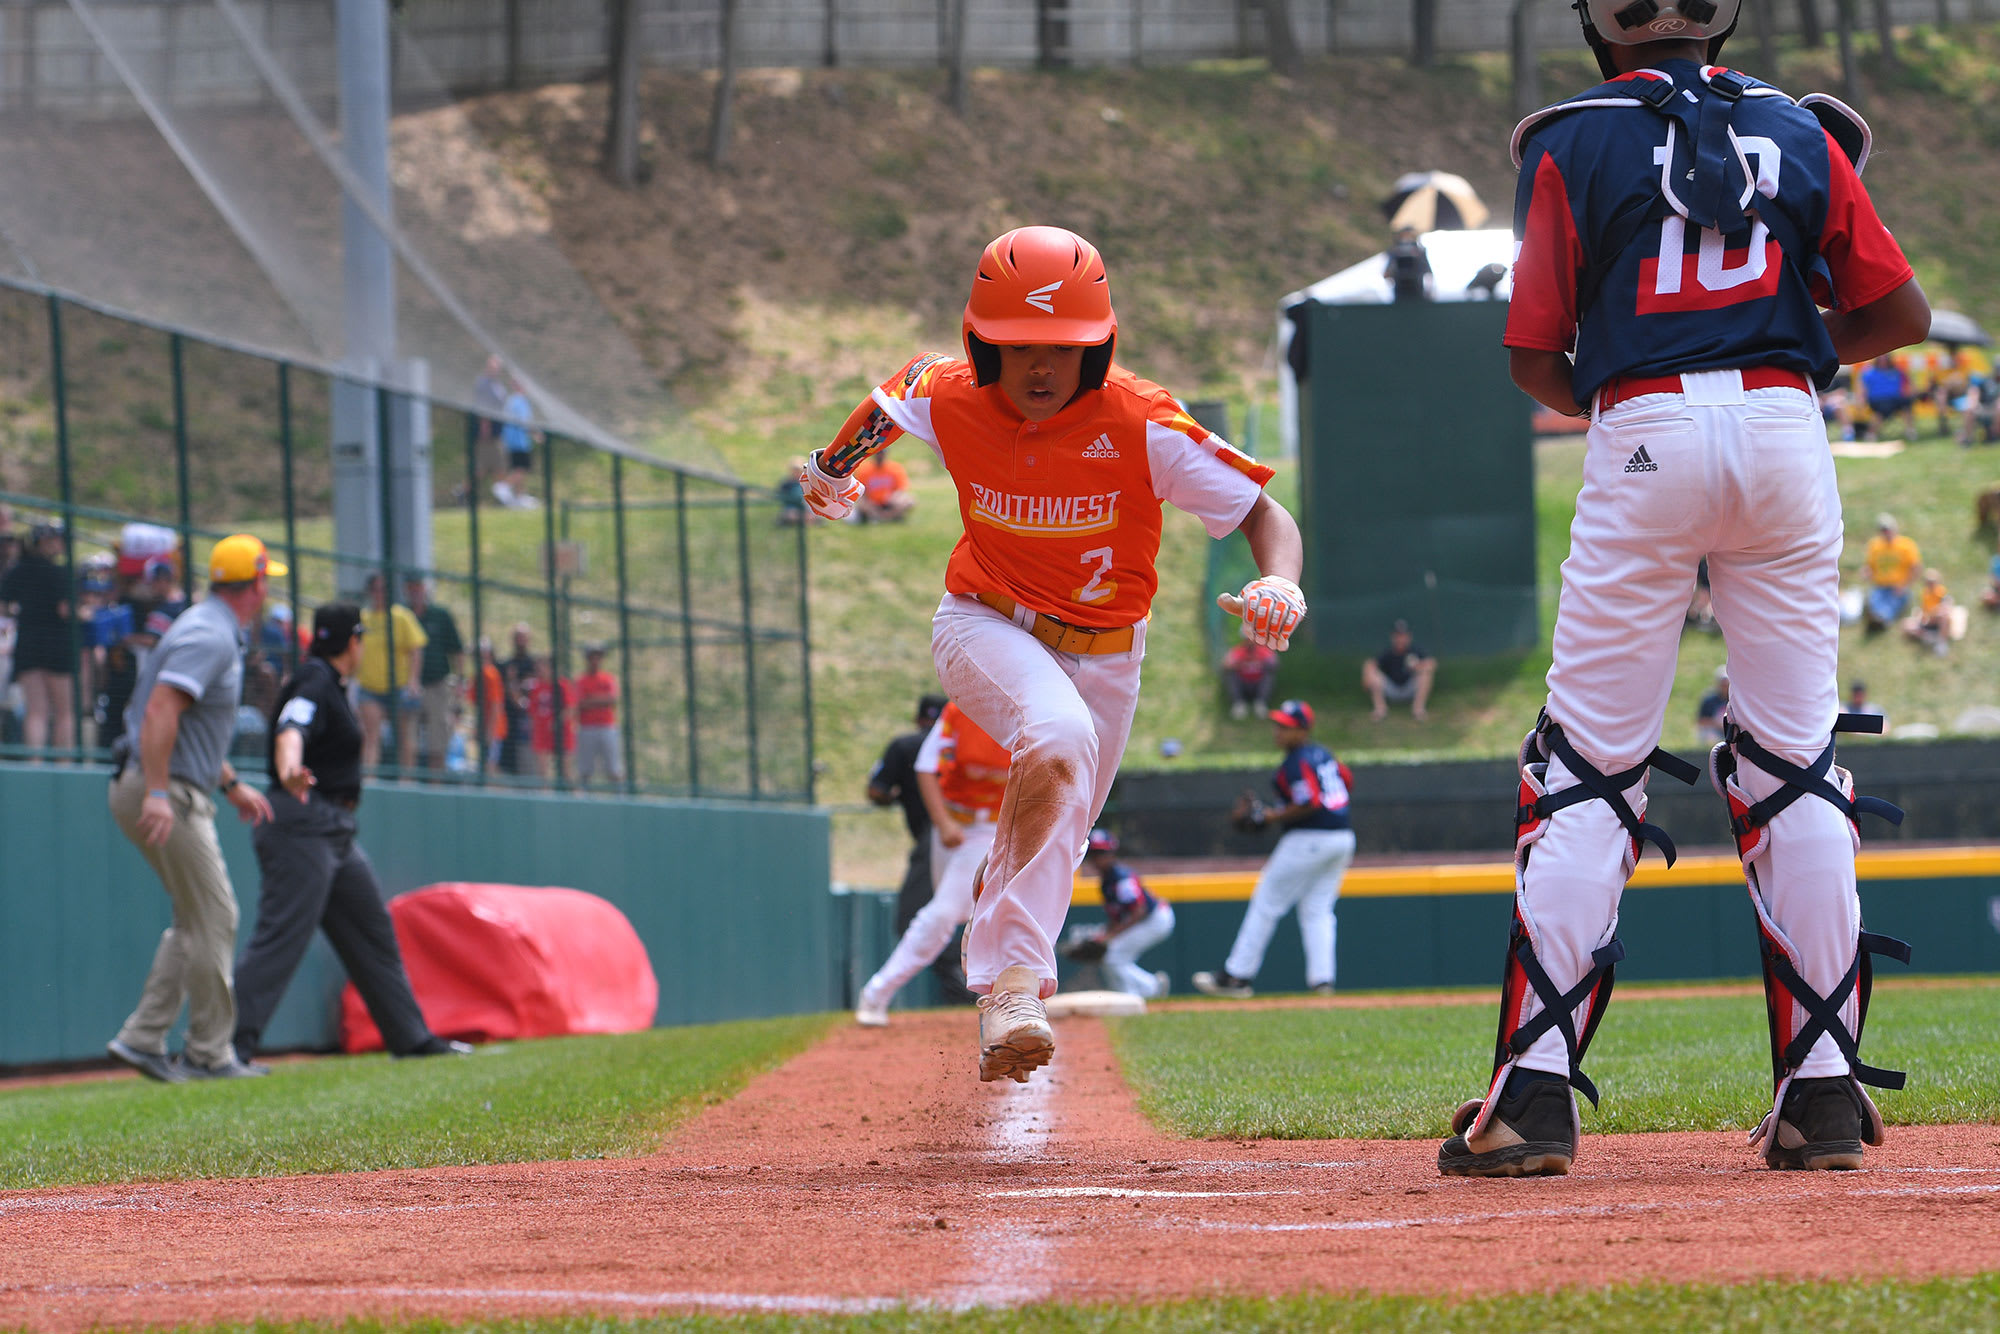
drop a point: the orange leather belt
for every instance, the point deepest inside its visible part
(1061, 635)
(1617, 391)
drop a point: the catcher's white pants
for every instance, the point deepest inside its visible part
(1065, 718)
(929, 932)
(1121, 953)
(1746, 479)
(1304, 872)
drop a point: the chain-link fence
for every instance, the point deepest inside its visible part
(130, 447)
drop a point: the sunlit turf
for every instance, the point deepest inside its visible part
(1397, 1073)
(1893, 1308)
(582, 1097)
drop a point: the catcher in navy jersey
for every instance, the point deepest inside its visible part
(1703, 245)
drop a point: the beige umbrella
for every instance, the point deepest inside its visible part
(1434, 200)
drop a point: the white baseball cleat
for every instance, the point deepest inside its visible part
(1014, 1032)
(871, 1010)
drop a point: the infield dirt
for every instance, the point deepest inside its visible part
(874, 1169)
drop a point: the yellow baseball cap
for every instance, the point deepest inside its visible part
(240, 558)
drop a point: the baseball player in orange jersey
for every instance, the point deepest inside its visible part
(962, 773)
(1062, 462)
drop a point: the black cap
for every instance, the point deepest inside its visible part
(1399, 627)
(929, 707)
(334, 627)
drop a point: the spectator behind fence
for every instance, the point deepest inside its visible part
(389, 674)
(1886, 388)
(517, 675)
(599, 749)
(36, 594)
(1708, 714)
(437, 681)
(1859, 704)
(1402, 671)
(489, 700)
(1248, 669)
(548, 691)
(1892, 561)
(1930, 623)
(1409, 267)
(314, 874)
(792, 494)
(517, 437)
(885, 490)
(174, 756)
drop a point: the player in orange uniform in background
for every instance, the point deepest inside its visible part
(962, 773)
(1062, 461)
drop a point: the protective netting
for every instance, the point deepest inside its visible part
(204, 189)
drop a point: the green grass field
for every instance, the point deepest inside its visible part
(1397, 1073)
(559, 1098)
(1752, 1308)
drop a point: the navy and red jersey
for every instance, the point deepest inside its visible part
(1126, 898)
(1310, 776)
(1679, 297)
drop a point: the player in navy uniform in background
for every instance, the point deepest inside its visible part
(1680, 228)
(1135, 919)
(1305, 868)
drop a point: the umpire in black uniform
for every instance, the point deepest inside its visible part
(314, 874)
(894, 779)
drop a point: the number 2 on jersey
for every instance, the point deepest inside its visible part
(1097, 588)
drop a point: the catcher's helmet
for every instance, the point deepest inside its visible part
(1608, 23)
(1103, 840)
(1040, 285)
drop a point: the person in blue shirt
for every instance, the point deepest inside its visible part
(1135, 919)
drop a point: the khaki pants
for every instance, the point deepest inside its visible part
(438, 719)
(193, 962)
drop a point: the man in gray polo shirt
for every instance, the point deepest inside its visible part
(180, 722)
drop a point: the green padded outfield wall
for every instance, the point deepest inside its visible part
(1417, 476)
(730, 899)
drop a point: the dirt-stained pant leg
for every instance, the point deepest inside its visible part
(1065, 719)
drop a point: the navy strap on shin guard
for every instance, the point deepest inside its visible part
(1594, 785)
(1558, 1006)
(1799, 782)
(1823, 1012)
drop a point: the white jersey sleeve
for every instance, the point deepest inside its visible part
(1207, 477)
(932, 750)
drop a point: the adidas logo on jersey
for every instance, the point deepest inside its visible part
(1101, 448)
(1641, 461)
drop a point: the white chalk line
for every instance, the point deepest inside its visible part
(1123, 1193)
(728, 1301)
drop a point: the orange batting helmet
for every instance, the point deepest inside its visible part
(1040, 285)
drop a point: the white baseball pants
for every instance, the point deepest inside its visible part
(929, 932)
(1744, 478)
(1065, 718)
(1122, 951)
(1304, 872)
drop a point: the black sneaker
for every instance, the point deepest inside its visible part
(1819, 1127)
(437, 1046)
(1532, 1133)
(1222, 984)
(153, 1065)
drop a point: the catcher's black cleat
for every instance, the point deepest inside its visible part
(1222, 984)
(1532, 1133)
(1819, 1127)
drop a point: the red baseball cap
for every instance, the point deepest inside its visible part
(1294, 713)
(1103, 840)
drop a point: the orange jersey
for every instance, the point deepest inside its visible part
(881, 479)
(971, 767)
(1063, 516)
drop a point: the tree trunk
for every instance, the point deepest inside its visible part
(1052, 34)
(621, 130)
(1885, 34)
(1281, 41)
(1810, 32)
(1423, 43)
(829, 46)
(514, 42)
(1527, 64)
(1767, 40)
(725, 87)
(1850, 71)
(956, 89)
(1137, 19)
(1944, 14)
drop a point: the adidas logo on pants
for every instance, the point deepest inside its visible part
(1641, 461)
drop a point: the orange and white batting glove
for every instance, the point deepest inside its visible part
(1271, 608)
(828, 496)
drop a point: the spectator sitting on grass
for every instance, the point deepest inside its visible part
(1247, 670)
(1859, 705)
(1892, 560)
(1989, 596)
(1400, 672)
(1930, 624)
(1976, 422)
(792, 494)
(1886, 387)
(1708, 714)
(885, 490)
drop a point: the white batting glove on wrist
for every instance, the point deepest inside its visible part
(1271, 608)
(828, 496)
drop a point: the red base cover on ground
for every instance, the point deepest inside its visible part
(506, 961)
